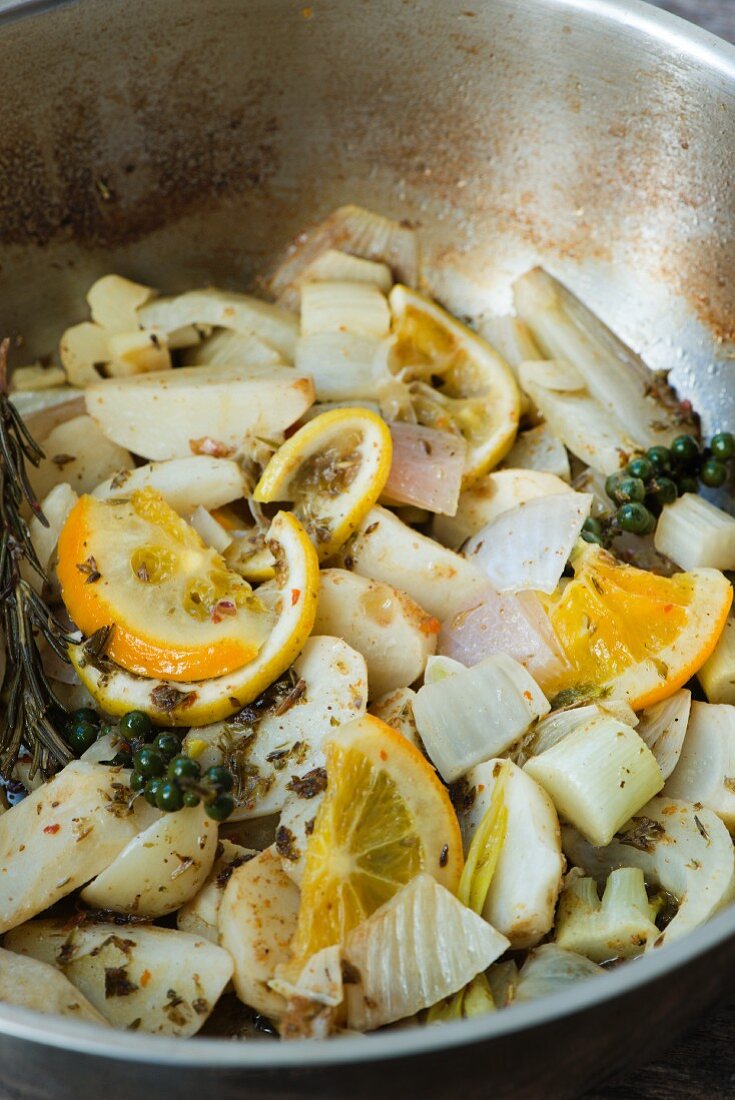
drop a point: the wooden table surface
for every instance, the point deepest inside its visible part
(701, 1065)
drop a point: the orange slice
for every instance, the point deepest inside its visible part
(333, 469)
(177, 610)
(632, 634)
(384, 818)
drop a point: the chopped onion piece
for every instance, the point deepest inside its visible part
(663, 728)
(427, 467)
(551, 969)
(618, 927)
(598, 776)
(528, 547)
(683, 848)
(705, 771)
(614, 376)
(489, 497)
(421, 946)
(503, 622)
(590, 431)
(341, 364)
(539, 449)
(717, 674)
(693, 533)
(344, 307)
(227, 348)
(476, 714)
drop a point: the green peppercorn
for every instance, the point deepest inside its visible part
(660, 459)
(168, 744)
(149, 762)
(687, 484)
(191, 799)
(634, 517)
(169, 797)
(183, 767)
(630, 488)
(81, 735)
(663, 490)
(220, 777)
(135, 724)
(611, 485)
(685, 451)
(151, 789)
(713, 473)
(221, 808)
(651, 524)
(591, 531)
(722, 445)
(137, 782)
(85, 714)
(640, 467)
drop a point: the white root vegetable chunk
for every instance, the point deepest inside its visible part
(169, 414)
(114, 302)
(513, 623)
(693, 533)
(151, 979)
(489, 497)
(332, 689)
(257, 921)
(684, 848)
(200, 915)
(717, 674)
(82, 349)
(598, 776)
(297, 817)
(527, 879)
(705, 771)
(79, 453)
(617, 927)
(539, 449)
(137, 352)
(421, 946)
(663, 728)
(224, 309)
(42, 412)
(160, 869)
(527, 547)
(476, 714)
(396, 710)
(185, 483)
(394, 635)
(62, 835)
(56, 507)
(29, 983)
(440, 581)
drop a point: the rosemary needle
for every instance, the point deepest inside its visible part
(33, 715)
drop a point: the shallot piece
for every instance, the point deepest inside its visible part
(427, 468)
(504, 622)
(528, 547)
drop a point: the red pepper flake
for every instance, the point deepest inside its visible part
(527, 695)
(430, 626)
(295, 596)
(225, 609)
(383, 755)
(52, 829)
(145, 978)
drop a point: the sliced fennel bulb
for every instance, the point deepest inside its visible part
(336, 266)
(420, 947)
(526, 880)
(682, 847)
(663, 728)
(717, 674)
(598, 776)
(617, 927)
(615, 377)
(341, 364)
(555, 726)
(486, 844)
(539, 449)
(344, 307)
(705, 771)
(693, 533)
(230, 348)
(527, 548)
(549, 969)
(476, 714)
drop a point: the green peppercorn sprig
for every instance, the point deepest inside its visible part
(166, 777)
(650, 481)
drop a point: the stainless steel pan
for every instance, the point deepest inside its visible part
(180, 142)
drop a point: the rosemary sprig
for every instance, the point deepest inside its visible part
(33, 715)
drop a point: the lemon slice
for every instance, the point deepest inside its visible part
(177, 610)
(457, 382)
(291, 598)
(631, 634)
(385, 817)
(333, 469)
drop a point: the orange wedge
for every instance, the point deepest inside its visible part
(177, 610)
(384, 818)
(631, 634)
